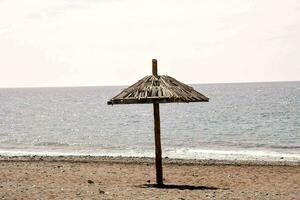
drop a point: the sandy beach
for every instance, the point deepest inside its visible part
(134, 178)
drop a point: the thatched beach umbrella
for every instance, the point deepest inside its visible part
(157, 89)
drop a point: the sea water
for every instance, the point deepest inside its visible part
(243, 121)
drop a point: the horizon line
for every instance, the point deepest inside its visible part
(208, 83)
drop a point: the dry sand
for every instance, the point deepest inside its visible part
(132, 178)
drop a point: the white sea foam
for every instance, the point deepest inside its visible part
(201, 154)
(233, 155)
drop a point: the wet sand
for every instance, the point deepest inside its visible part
(134, 178)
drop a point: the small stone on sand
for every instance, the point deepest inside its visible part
(101, 191)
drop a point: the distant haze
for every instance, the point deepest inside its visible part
(111, 42)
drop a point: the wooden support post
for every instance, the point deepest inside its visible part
(158, 159)
(154, 67)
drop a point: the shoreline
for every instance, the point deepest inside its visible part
(143, 160)
(218, 154)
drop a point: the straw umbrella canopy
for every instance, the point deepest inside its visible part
(157, 89)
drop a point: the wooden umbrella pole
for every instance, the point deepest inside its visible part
(158, 159)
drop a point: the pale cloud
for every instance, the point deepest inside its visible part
(101, 42)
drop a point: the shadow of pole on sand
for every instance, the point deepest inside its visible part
(180, 187)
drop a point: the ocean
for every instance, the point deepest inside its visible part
(242, 121)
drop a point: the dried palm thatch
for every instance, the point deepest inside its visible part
(158, 89)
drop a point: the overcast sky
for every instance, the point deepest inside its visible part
(111, 42)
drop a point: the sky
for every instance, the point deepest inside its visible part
(52, 43)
